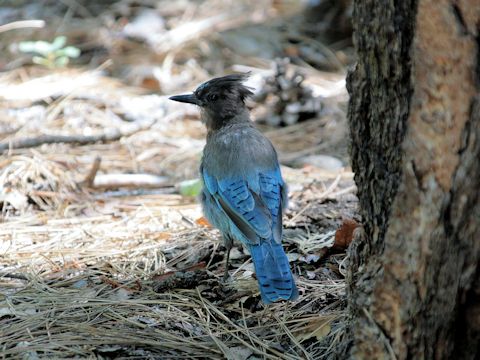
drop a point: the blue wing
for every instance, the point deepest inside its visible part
(271, 188)
(250, 210)
(253, 204)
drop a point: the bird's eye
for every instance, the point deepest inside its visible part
(212, 97)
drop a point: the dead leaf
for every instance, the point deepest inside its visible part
(318, 328)
(291, 51)
(150, 83)
(162, 236)
(344, 235)
(202, 221)
(322, 331)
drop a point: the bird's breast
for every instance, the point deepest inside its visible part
(238, 151)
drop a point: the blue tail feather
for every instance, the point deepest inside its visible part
(274, 277)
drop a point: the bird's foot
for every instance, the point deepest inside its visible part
(226, 275)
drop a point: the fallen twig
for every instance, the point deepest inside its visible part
(71, 139)
(14, 276)
(117, 285)
(22, 24)
(113, 181)
(136, 192)
(89, 179)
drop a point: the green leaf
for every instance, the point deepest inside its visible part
(40, 47)
(190, 187)
(58, 43)
(42, 61)
(45, 48)
(61, 61)
(70, 51)
(26, 46)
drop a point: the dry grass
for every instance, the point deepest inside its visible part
(60, 320)
(135, 273)
(80, 280)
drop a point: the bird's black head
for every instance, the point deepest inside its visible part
(221, 99)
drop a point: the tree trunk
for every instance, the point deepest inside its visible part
(414, 113)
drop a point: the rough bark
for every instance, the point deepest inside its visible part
(414, 282)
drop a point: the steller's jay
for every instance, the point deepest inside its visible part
(243, 193)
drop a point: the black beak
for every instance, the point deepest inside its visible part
(189, 98)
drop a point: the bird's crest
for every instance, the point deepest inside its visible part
(232, 83)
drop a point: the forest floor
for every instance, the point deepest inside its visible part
(104, 252)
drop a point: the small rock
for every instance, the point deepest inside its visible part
(236, 254)
(326, 162)
(239, 353)
(310, 258)
(293, 257)
(121, 294)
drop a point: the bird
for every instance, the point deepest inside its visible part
(244, 194)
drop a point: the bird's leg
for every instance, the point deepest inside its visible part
(228, 245)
